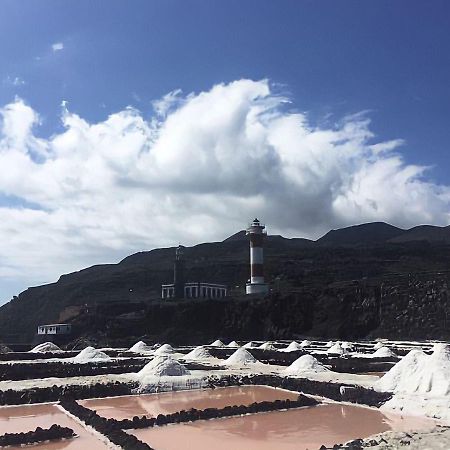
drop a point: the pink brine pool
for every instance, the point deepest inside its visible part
(300, 429)
(169, 402)
(15, 419)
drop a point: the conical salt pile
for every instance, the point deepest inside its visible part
(162, 366)
(292, 347)
(347, 346)
(241, 357)
(140, 347)
(384, 352)
(91, 354)
(305, 343)
(419, 373)
(165, 349)
(267, 346)
(249, 345)
(378, 345)
(217, 343)
(45, 347)
(198, 353)
(337, 349)
(233, 344)
(305, 363)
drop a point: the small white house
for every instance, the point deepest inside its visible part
(55, 328)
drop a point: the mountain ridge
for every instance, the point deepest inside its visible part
(362, 251)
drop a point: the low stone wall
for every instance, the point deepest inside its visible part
(34, 437)
(27, 356)
(54, 393)
(60, 369)
(333, 391)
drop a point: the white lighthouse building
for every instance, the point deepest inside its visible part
(256, 283)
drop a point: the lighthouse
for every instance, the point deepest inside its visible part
(256, 284)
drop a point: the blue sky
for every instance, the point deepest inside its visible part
(330, 59)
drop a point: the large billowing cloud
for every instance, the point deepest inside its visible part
(199, 170)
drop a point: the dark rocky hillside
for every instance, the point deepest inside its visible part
(367, 280)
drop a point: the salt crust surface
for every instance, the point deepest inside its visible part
(162, 366)
(292, 347)
(165, 349)
(241, 357)
(140, 347)
(305, 364)
(90, 354)
(199, 353)
(45, 347)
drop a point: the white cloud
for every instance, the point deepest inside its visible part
(198, 171)
(57, 46)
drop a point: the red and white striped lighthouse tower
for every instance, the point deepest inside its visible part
(256, 233)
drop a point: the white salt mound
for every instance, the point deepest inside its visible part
(162, 366)
(241, 357)
(305, 363)
(305, 343)
(292, 347)
(91, 354)
(165, 349)
(233, 344)
(217, 343)
(419, 373)
(45, 347)
(347, 345)
(249, 345)
(267, 346)
(329, 344)
(198, 353)
(384, 352)
(140, 347)
(378, 345)
(337, 349)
